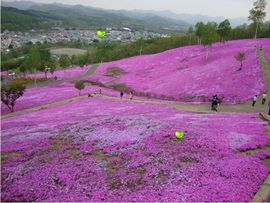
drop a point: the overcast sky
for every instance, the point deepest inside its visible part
(226, 8)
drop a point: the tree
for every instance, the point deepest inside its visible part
(33, 60)
(140, 43)
(209, 35)
(240, 56)
(74, 60)
(79, 85)
(190, 33)
(257, 14)
(45, 60)
(64, 61)
(23, 68)
(11, 92)
(199, 27)
(224, 29)
(82, 59)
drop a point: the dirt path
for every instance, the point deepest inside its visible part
(202, 108)
(266, 69)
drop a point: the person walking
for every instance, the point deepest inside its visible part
(121, 94)
(264, 96)
(254, 99)
(215, 104)
(269, 108)
(212, 103)
(131, 95)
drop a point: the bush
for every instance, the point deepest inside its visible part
(79, 85)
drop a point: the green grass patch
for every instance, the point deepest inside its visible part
(120, 87)
(9, 155)
(115, 71)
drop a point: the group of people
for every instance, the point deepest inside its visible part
(255, 98)
(215, 102)
(264, 96)
(130, 95)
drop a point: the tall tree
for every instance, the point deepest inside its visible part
(199, 27)
(257, 14)
(224, 29)
(190, 32)
(34, 61)
(45, 58)
(209, 35)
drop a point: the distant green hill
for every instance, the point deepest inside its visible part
(14, 19)
(49, 15)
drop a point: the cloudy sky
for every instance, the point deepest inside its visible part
(226, 8)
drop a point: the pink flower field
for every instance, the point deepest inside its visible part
(44, 95)
(62, 74)
(184, 74)
(101, 150)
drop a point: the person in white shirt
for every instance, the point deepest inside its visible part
(264, 96)
(254, 99)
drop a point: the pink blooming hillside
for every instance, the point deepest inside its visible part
(101, 150)
(62, 74)
(185, 74)
(44, 95)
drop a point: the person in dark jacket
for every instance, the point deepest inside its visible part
(121, 94)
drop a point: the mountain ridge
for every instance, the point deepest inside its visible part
(183, 19)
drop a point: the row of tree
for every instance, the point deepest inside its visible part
(210, 32)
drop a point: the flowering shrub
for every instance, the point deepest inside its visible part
(100, 150)
(184, 74)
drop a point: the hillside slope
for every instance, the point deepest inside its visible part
(96, 150)
(184, 74)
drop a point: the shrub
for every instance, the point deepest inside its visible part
(240, 56)
(79, 85)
